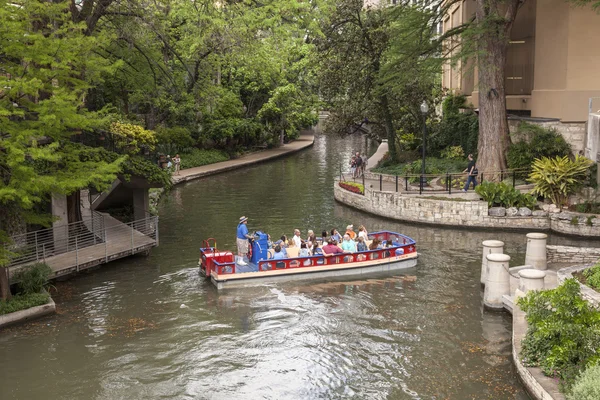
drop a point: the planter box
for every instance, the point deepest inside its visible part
(29, 314)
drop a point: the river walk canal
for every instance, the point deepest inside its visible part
(149, 328)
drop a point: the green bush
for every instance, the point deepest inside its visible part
(177, 136)
(453, 153)
(503, 195)
(536, 142)
(558, 178)
(587, 386)
(33, 278)
(432, 166)
(455, 128)
(564, 332)
(199, 157)
(592, 276)
(23, 302)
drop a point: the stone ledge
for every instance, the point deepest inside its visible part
(29, 314)
(587, 292)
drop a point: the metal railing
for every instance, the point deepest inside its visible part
(94, 235)
(447, 183)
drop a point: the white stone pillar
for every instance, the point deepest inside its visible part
(536, 250)
(498, 281)
(529, 279)
(489, 247)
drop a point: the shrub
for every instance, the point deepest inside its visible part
(456, 128)
(453, 153)
(538, 142)
(592, 277)
(199, 157)
(353, 187)
(564, 332)
(587, 386)
(131, 138)
(178, 137)
(23, 302)
(558, 178)
(503, 195)
(33, 278)
(433, 166)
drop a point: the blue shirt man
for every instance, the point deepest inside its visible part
(242, 241)
(242, 231)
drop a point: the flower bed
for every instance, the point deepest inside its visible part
(353, 187)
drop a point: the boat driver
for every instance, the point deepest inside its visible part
(242, 241)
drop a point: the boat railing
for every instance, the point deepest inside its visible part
(319, 260)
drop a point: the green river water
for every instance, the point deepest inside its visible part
(151, 328)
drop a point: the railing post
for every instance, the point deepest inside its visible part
(380, 182)
(132, 238)
(363, 179)
(514, 178)
(105, 247)
(156, 228)
(44, 252)
(37, 257)
(396, 183)
(406, 183)
(420, 184)
(93, 230)
(449, 183)
(76, 254)
(481, 177)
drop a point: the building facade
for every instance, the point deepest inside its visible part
(553, 60)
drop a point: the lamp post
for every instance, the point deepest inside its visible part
(424, 111)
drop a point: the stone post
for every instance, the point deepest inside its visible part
(529, 279)
(536, 251)
(498, 282)
(489, 247)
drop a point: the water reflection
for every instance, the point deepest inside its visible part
(151, 327)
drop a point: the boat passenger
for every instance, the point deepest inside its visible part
(361, 245)
(296, 238)
(242, 237)
(350, 232)
(375, 244)
(311, 236)
(317, 251)
(362, 232)
(394, 241)
(304, 251)
(331, 248)
(348, 244)
(335, 235)
(323, 238)
(279, 255)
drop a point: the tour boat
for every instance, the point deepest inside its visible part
(222, 270)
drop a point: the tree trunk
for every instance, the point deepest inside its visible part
(4, 286)
(389, 126)
(493, 43)
(74, 207)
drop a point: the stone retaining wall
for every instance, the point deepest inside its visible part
(432, 211)
(572, 223)
(572, 255)
(414, 208)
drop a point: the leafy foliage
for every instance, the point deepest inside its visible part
(353, 187)
(536, 142)
(453, 153)
(503, 195)
(564, 332)
(433, 166)
(139, 166)
(587, 385)
(33, 279)
(592, 277)
(179, 137)
(130, 138)
(23, 302)
(557, 178)
(455, 128)
(198, 158)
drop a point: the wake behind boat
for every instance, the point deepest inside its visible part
(400, 253)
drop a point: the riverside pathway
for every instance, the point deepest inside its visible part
(305, 140)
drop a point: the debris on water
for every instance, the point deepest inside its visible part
(183, 306)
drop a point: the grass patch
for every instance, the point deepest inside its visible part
(432, 166)
(198, 158)
(23, 302)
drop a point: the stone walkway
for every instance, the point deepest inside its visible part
(305, 140)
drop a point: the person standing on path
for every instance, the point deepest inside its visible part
(359, 166)
(177, 163)
(242, 241)
(472, 173)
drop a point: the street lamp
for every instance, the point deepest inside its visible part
(424, 111)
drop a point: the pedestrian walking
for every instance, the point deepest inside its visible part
(471, 172)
